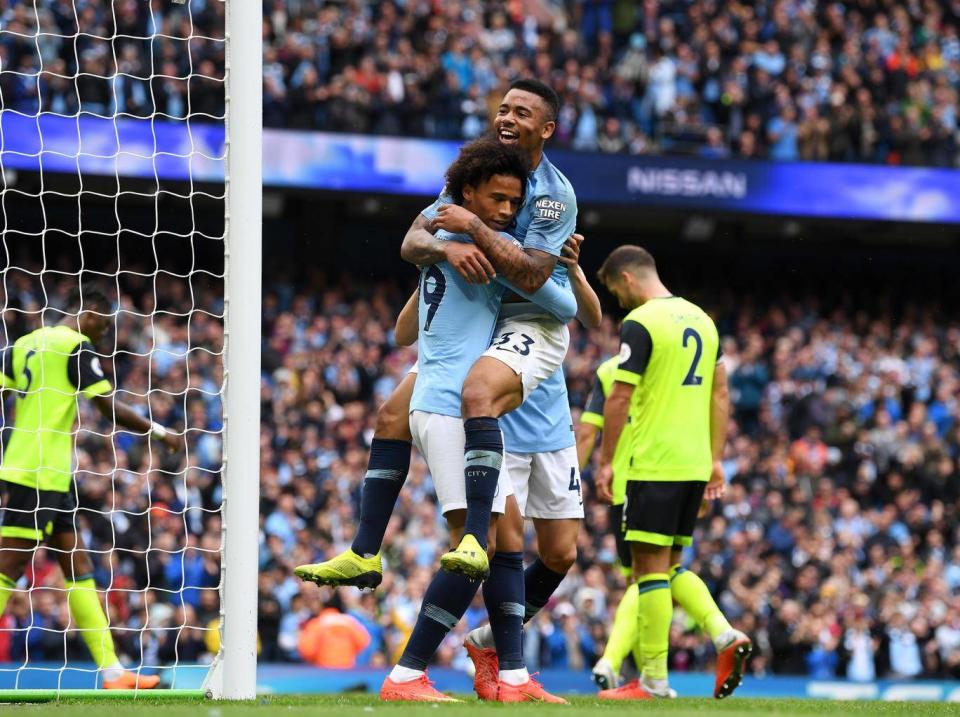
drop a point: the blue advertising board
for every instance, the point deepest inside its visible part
(181, 150)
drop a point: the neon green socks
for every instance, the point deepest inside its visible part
(7, 586)
(91, 621)
(655, 607)
(692, 595)
(623, 633)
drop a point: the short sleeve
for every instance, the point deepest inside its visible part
(636, 345)
(431, 211)
(86, 373)
(593, 410)
(554, 220)
(7, 377)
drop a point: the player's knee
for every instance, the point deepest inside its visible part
(560, 559)
(475, 400)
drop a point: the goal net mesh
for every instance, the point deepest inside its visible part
(112, 155)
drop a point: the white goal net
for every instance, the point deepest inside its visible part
(114, 152)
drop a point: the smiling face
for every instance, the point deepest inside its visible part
(524, 119)
(495, 201)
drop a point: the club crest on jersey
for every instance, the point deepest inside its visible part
(624, 353)
(550, 209)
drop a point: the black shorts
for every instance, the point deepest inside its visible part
(36, 515)
(623, 547)
(662, 512)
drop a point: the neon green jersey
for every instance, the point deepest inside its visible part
(593, 415)
(49, 368)
(669, 349)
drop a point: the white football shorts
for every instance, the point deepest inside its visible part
(547, 485)
(440, 439)
(534, 348)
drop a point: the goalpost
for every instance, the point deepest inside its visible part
(120, 165)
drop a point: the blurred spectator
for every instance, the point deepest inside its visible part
(848, 81)
(333, 640)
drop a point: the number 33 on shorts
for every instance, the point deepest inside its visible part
(520, 345)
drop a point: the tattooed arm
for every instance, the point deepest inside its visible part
(528, 269)
(422, 248)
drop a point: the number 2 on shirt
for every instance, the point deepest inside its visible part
(692, 379)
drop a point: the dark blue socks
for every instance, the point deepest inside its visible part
(540, 582)
(483, 456)
(386, 473)
(503, 596)
(444, 603)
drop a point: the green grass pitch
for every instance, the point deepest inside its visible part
(364, 705)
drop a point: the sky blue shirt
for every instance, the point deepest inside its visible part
(545, 221)
(542, 423)
(456, 322)
(547, 217)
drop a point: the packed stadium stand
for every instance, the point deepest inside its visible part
(866, 81)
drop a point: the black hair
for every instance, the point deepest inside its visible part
(543, 91)
(481, 159)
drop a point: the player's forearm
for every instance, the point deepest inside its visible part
(405, 332)
(524, 271)
(614, 420)
(586, 436)
(551, 297)
(719, 415)
(420, 247)
(123, 415)
(589, 312)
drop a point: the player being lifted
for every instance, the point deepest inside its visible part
(671, 385)
(526, 118)
(523, 366)
(529, 346)
(49, 369)
(456, 321)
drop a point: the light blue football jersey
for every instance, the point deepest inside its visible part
(546, 219)
(456, 322)
(542, 423)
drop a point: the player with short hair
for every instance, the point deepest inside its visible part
(529, 347)
(686, 588)
(671, 384)
(456, 320)
(49, 369)
(526, 118)
(523, 367)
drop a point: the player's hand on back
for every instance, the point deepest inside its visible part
(570, 253)
(604, 483)
(469, 262)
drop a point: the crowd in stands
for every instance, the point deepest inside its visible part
(854, 80)
(837, 546)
